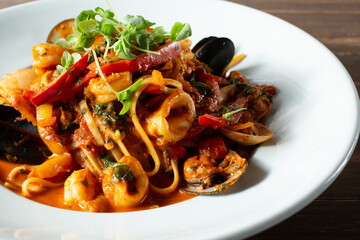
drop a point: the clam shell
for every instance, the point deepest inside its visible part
(233, 166)
(217, 188)
(248, 139)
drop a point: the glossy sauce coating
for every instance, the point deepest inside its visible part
(55, 197)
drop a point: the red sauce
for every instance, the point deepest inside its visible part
(55, 196)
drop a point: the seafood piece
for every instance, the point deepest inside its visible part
(126, 183)
(255, 134)
(217, 53)
(173, 119)
(18, 145)
(79, 186)
(47, 55)
(12, 86)
(203, 176)
(103, 94)
(62, 30)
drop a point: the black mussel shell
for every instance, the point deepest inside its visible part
(217, 53)
(10, 115)
(18, 145)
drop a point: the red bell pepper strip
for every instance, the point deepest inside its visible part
(83, 82)
(145, 61)
(63, 83)
(214, 147)
(208, 120)
(153, 89)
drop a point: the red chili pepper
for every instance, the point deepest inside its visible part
(63, 83)
(214, 147)
(208, 120)
(145, 61)
(83, 82)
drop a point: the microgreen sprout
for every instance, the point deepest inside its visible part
(228, 115)
(67, 60)
(133, 33)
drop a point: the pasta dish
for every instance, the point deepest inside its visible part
(130, 116)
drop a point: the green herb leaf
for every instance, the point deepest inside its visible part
(180, 31)
(88, 26)
(121, 34)
(86, 40)
(202, 88)
(121, 171)
(125, 96)
(67, 61)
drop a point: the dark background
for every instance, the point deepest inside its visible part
(336, 23)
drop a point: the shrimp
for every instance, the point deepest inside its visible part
(103, 94)
(46, 55)
(126, 193)
(81, 188)
(12, 86)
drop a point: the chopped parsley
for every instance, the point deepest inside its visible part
(121, 171)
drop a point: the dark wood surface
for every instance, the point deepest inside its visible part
(336, 23)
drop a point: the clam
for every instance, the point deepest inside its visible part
(253, 135)
(61, 30)
(216, 52)
(209, 177)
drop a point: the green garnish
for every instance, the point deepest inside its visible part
(123, 96)
(121, 171)
(67, 60)
(202, 88)
(228, 115)
(22, 171)
(122, 37)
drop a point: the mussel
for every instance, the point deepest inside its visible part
(216, 52)
(203, 175)
(19, 140)
(18, 145)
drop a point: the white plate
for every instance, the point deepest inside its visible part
(315, 123)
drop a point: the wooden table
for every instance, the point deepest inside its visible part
(336, 23)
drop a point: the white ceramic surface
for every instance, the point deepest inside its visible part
(315, 123)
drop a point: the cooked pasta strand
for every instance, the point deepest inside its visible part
(40, 186)
(173, 186)
(140, 129)
(91, 123)
(93, 162)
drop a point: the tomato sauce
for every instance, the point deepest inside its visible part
(55, 196)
